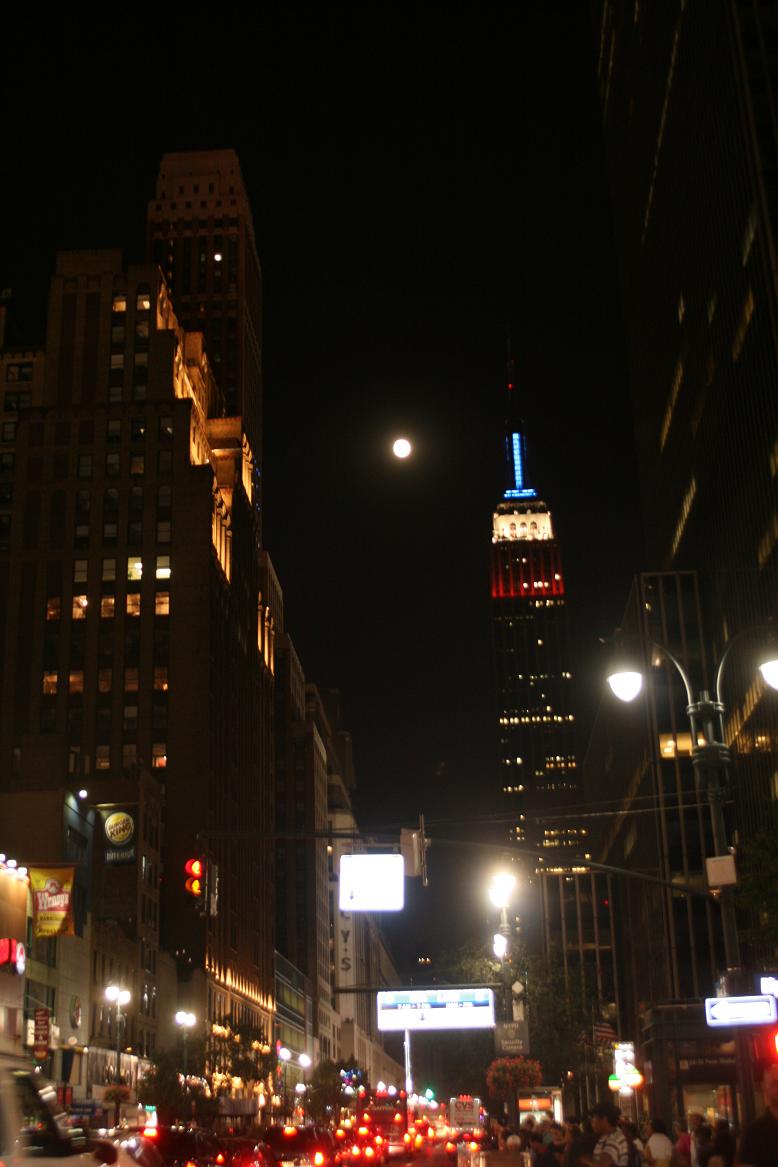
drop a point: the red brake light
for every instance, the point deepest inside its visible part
(220, 1158)
(150, 1132)
(356, 1151)
(289, 1131)
(340, 1133)
(369, 1152)
(318, 1159)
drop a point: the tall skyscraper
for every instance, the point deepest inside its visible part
(137, 632)
(201, 235)
(532, 656)
(689, 117)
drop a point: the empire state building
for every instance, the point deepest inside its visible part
(532, 658)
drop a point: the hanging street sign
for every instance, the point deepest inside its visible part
(741, 1010)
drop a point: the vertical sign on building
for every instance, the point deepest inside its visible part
(40, 1039)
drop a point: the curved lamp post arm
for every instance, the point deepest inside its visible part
(679, 668)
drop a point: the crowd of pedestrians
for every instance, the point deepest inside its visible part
(605, 1139)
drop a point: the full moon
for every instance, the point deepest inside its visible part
(401, 448)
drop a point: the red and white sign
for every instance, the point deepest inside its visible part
(13, 955)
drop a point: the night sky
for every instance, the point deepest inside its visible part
(423, 183)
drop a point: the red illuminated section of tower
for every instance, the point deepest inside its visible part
(526, 569)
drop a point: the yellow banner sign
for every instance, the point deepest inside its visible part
(52, 900)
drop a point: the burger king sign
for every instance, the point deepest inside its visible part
(119, 830)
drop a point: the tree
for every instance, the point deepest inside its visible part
(757, 881)
(506, 1076)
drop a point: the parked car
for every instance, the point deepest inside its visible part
(302, 1146)
(32, 1127)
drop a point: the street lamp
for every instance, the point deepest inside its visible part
(185, 1021)
(500, 892)
(118, 997)
(284, 1056)
(711, 759)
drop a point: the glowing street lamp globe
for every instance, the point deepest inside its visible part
(402, 448)
(501, 888)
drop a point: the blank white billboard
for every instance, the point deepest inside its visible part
(371, 883)
(400, 1009)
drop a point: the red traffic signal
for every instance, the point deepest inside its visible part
(195, 872)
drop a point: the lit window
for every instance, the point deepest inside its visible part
(143, 302)
(76, 682)
(164, 570)
(134, 568)
(131, 680)
(137, 464)
(53, 608)
(133, 603)
(103, 757)
(49, 683)
(138, 429)
(107, 606)
(160, 678)
(166, 427)
(163, 531)
(162, 604)
(109, 569)
(142, 330)
(129, 755)
(120, 304)
(79, 570)
(104, 680)
(158, 756)
(80, 604)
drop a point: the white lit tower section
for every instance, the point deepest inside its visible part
(534, 680)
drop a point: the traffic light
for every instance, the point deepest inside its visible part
(195, 877)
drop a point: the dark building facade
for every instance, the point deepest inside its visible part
(537, 751)
(689, 115)
(201, 234)
(137, 640)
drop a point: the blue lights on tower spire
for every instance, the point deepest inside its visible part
(515, 454)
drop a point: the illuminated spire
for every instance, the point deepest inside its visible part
(516, 484)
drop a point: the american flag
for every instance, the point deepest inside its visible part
(603, 1033)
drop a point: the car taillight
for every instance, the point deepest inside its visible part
(406, 1137)
(190, 1163)
(318, 1159)
(378, 1140)
(418, 1141)
(220, 1159)
(362, 1130)
(150, 1132)
(472, 1146)
(289, 1131)
(356, 1151)
(340, 1133)
(451, 1146)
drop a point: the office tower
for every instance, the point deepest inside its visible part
(532, 657)
(137, 632)
(201, 234)
(688, 109)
